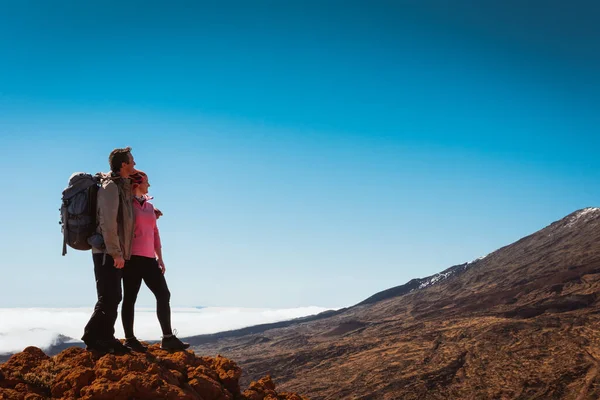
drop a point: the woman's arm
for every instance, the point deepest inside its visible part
(161, 263)
(158, 247)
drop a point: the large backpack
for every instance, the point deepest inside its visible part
(78, 211)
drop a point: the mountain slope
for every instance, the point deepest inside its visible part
(523, 322)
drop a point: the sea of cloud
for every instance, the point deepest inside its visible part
(41, 327)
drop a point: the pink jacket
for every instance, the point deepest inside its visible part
(146, 238)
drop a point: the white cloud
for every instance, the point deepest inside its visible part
(22, 327)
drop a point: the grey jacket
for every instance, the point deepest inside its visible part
(115, 216)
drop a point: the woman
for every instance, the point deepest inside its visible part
(146, 264)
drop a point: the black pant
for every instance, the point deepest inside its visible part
(146, 268)
(108, 287)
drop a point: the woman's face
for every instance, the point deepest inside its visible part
(141, 188)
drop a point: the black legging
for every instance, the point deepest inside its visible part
(146, 268)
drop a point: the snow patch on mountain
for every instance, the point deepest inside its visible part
(435, 279)
(582, 216)
(477, 259)
(442, 276)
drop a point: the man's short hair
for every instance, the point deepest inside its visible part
(117, 157)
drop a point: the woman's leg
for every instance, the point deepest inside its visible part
(156, 282)
(132, 280)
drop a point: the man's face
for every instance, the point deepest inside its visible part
(128, 168)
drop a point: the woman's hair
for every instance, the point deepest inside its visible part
(138, 177)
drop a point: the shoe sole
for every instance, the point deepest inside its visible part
(174, 349)
(138, 351)
(94, 350)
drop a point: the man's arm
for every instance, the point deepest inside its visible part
(108, 210)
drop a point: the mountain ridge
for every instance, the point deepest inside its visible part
(533, 302)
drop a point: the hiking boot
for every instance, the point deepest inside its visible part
(100, 346)
(135, 345)
(118, 348)
(172, 343)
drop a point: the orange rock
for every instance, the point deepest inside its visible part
(11, 394)
(209, 388)
(204, 370)
(76, 356)
(252, 395)
(174, 377)
(24, 362)
(107, 373)
(69, 382)
(8, 383)
(34, 396)
(157, 374)
(267, 383)
(179, 361)
(264, 388)
(229, 373)
(103, 389)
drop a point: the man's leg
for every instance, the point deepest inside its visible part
(101, 325)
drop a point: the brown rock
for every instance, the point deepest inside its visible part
(263, 389)
(103, 389)
(267, 383)
(179, 361)
(11, 394)
(109, 374)
(24, 362)
(8, 383)
(250, 394)
(76, 356)
(157, 374)
(229, 373)
(204, 370)
(34, 396)
(210, 389)
(69, 382)
(175, 377)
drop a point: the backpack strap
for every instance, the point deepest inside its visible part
(65, 216)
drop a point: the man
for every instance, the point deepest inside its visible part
(116, 225)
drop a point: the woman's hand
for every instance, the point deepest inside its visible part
(161, 265)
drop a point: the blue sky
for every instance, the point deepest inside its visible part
(304, 153)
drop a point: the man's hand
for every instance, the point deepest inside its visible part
(119, 262)
(161, 265)
(158, 213)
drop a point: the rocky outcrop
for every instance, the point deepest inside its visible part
(157, 374)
